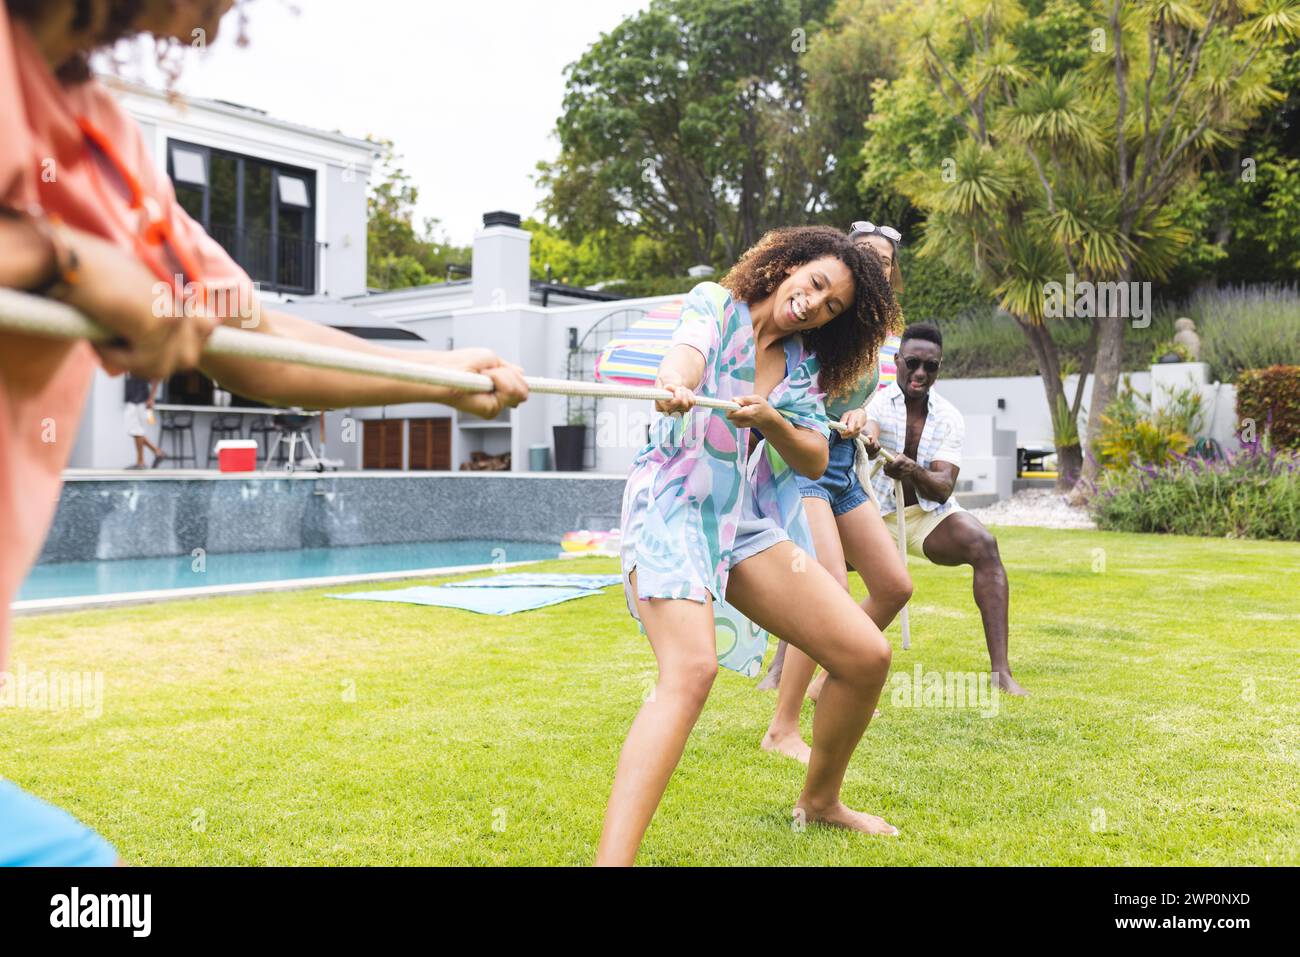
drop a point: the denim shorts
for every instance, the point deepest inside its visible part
(839, 484)
(755, 533)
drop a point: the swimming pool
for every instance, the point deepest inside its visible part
(59, 580)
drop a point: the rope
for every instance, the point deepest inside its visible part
(35, 315)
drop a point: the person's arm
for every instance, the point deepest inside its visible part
(935, 483)
(871, 438)
(804, 450)
(286, 384)
(937, 480)
(680, 371)
(26, 258)
(108, 286)
(118, 292)
(855, 420)
(153, 391)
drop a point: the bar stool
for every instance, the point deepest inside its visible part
(260, 430)
(227, 425)
(177, 428)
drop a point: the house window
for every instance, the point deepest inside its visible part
(262, 213)
(191, 167)
(293, 191)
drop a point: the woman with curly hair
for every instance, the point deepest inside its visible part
(706, 517)
(845, 524)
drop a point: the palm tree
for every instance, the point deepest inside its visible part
(1075, 162)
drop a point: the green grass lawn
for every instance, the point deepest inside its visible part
(294, 729)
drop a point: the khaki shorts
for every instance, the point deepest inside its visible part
(135, 415)
(920, 524)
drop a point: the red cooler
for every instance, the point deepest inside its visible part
(237, 455)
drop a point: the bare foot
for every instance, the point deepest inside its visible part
(1003, 681)
(837, 815)
(791, 745)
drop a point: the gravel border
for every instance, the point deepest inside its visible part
(1040, 508)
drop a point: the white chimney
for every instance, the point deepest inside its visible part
(500, 267)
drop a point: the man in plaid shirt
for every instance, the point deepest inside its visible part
(924, 431)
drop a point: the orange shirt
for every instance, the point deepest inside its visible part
(47, 157)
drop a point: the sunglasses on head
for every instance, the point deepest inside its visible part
(864, 228)
(912, 362)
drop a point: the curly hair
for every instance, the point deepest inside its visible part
(847, 345)
(118, 25)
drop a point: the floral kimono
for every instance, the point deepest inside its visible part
(683, 500)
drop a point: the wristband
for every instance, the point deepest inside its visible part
(65, 266)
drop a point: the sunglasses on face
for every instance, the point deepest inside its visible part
(912, 362)
(864, 228)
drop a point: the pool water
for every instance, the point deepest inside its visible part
(81, 579)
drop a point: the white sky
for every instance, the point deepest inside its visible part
(468, 91)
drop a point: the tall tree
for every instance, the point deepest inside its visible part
(695, 122)
(1252, 193)
(857, 49)
(1069, 142)
(398, 254)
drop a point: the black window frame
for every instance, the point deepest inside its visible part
(239, 254)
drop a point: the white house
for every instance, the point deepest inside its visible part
(289, 203)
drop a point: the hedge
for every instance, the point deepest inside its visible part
(1270, 398)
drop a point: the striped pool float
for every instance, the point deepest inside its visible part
(889, 361)
(633, 357)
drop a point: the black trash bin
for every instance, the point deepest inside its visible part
(569, 442)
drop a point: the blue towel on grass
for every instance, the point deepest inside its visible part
(485, 601)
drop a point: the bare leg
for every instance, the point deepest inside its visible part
(783, 735)
(815, 614)
(681, 634)
(961, 540)
(141, 443)
(772, 679)
(873, 553)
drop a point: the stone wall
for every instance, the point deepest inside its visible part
(100, 519)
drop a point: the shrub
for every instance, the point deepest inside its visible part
(979, 341)
(934, 293)
(1271, 397)
(1133, 435)
(1254, 493)
(1169, 347)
